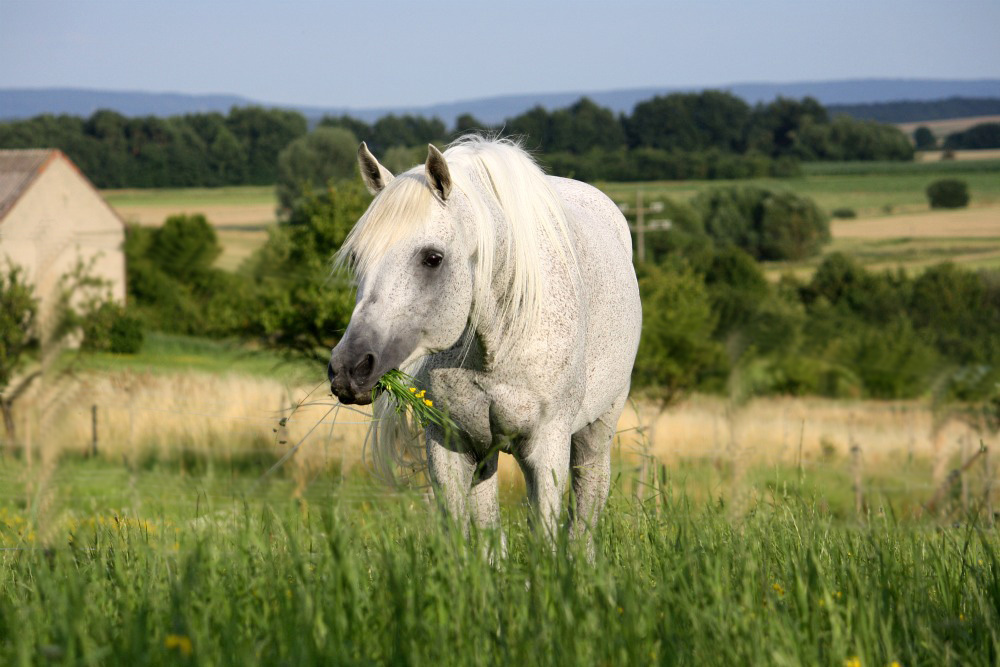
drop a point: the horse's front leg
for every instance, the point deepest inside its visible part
(451, 470)
(545, 463)
(484, 502)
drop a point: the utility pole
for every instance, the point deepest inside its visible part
(641, 226)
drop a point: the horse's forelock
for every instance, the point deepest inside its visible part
(398, 211)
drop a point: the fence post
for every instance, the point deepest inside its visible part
(964, 475)
(859, 501)
(93, 430)
(987, 486)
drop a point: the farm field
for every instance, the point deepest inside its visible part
(241, 215)
(877, 192)
(942, 128)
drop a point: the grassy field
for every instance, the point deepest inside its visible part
(173, 545)
(876, 191)
(107, 565)
(871, 189)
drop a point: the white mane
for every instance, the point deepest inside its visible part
(517, 223)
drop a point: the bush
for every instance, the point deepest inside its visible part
(844, 213)
(948, 193)
(109, 327)
(768, 225)
(311, 161)
(924, 139)
(18, 308)
(676, 346)
(127, 335)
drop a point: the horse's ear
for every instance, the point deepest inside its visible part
(436, 169)
(375, 176)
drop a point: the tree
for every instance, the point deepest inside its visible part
(302, 308)
(984, 135)
(585, 126)
(676, 346)
(924, 139)
(310, 162)
(18, 307)
(948, 193)
(467, 123)
(690, 122)
(767, 225)
(264, 133)
(401, 158)
(774, 128)
(185, 247)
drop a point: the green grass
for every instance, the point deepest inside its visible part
(869, 194)
(193, 197)
(106, 565)
(168, 353)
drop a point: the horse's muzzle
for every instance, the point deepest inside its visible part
(352, 382)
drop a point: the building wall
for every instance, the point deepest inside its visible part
(59, 220)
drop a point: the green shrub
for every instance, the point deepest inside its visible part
(126, 335)
(844, 213)
(109, 327)
(948, 193)
(768, 225)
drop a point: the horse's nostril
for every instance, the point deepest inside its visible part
(364, 367)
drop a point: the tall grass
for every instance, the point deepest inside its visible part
(340, 583)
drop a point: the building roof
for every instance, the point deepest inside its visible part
(20, 167)
(18, 170)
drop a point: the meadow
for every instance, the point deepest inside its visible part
(154, 567)
(733, 535)
(227, 516)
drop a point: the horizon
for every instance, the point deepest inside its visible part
(313, 55)
(529, 93)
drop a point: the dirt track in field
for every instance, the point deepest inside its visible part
(965, 223)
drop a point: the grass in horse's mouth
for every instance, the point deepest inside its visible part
(405, 395)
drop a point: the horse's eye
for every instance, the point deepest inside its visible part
(433, 259)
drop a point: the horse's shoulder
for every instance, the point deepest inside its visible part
(589, 208)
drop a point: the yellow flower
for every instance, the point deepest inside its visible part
(778, 589)
(895, 663)
(413, 390)
(180, 642)
(421, 393)
(853, 662)
(428, 402)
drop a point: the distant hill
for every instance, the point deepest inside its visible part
(909, 111)
(24, 103)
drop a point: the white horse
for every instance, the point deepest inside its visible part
(512, 298)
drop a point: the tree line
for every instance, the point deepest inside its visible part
(908, 111)
(711, 134)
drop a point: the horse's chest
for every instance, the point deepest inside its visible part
(490, 413)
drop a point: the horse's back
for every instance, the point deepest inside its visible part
(603, 246)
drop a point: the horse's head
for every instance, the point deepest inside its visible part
(413, 262)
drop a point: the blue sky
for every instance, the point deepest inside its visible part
(390, 53)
